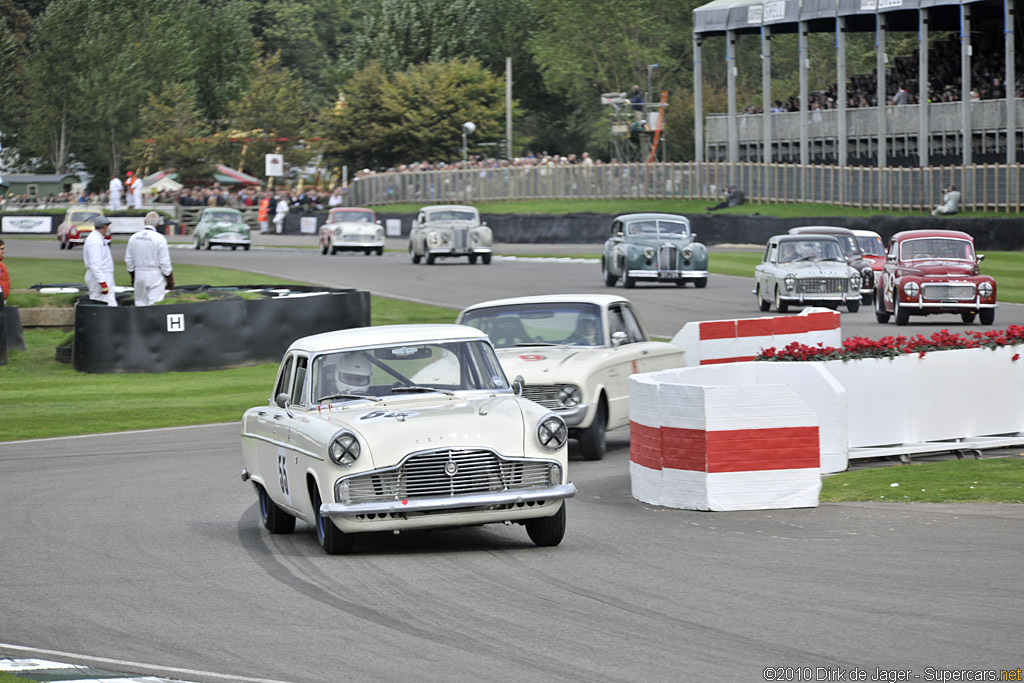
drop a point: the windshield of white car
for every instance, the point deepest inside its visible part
(451, 216)
(936, 248)
(573, 323)
(444, 366)
(660, 228)
(792, 251)
(871, 245)
(352, 217)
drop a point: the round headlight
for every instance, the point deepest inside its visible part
(911, 289)
(867, 276)
(687, 253)
(552, 433)
(649, 253)
(790, 282)
(569, 396)
(855, 281)
(985, 290)
(337, 232)
(445, 237)
(344, 449)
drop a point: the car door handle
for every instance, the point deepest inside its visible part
(277, 416)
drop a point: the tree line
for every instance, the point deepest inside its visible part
(114, 85)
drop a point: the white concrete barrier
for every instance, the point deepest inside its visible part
(731, 341)
(699, 445)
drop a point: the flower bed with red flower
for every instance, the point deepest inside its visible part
(889, 347)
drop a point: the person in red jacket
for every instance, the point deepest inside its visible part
(5, 277)
(264, 214)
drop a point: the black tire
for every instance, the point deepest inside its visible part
(592, 439)
(413, 256)
(233, 247)
(380, 251)
(902, 314)
(968, 317)
(208, 245)
(275, 520)
(867, 299)
(780, 305)
(700, 283)
(609, 279)
(881, 315)
(472, 259)
(195, 242)
(334, 250)
(245, 247)
(627, 281)
(547, 531)
(324, 248)
(485, 259)
(762, 303)
(71, 245)
(430, 259)
(680, 283)
(330, 537)
(853, 306)
(63, 244)
(367, 252)
(987, 316)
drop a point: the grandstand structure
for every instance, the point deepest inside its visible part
(965, 133)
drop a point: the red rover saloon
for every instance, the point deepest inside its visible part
(934, 271)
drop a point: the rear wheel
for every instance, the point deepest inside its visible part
(547, 531)
(330, 537)
(968, 317)
(592, 439)
(987, 316)
(275, 520)
(780, 305)
(881, 315)
(762, 303)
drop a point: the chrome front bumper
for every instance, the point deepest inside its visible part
(449, 503)
(667, 274)
(450, 251)
(230, 238)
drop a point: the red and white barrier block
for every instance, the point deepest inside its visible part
(721, 447)
(731, 341)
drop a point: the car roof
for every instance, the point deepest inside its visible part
(802, 238)
(916, 234)
(351, 208)
(866, 233)
(648, 216)
(603, 300)
(820, 230)
(360, 337)
(449, 207)
(221, 208)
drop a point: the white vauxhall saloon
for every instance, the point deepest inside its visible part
(575, 353)
(403, 427)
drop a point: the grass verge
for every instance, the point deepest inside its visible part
(992, 480)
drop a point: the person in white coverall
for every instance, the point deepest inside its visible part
(99, 264)
(280, 212)
(116, 187)
(148, 262)
(136, 189)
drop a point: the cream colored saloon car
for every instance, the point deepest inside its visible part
(403, 427)
(575, 353)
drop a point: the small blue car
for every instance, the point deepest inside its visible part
(653, 247)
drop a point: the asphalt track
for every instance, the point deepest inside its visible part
(145, 549)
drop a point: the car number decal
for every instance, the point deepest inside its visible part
(532, 357)
(282, 474)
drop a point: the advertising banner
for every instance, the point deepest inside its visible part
(27, 224)
(126, 224)
(275, 165)
(307, 225)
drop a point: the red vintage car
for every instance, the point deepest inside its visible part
(934, 271)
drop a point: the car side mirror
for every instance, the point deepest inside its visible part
(619, 338)
(890, 259)
(618, 233)
(981, 257)
(282, 399)
(517, 385)
(693, 235)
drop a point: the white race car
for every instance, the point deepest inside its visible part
(450, 230)
(575, 353)
(352, 229)
(403, 427)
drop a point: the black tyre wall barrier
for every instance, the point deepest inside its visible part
(208, 335)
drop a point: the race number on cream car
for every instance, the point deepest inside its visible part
(575, 353)
(403, 427)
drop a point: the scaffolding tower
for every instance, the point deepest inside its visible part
(636, 135)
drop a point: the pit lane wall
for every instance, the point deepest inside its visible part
(210, 335)
(730, 341)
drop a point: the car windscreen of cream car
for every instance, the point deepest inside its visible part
(575, 353)
(403, 427)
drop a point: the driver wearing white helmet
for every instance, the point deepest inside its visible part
(345, 373)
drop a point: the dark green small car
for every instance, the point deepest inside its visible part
(221, 226)
(653, 247)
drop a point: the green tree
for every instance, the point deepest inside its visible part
(224, 51)
(415, 114)
(176, 134)
(11, 79)
(272, 114)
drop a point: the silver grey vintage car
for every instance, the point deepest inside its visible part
(653, 247)
(450, 230)
(806, 270)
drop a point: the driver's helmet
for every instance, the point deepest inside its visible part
(349, 372)
(587, 328)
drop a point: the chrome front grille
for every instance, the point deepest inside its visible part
(460, 238)
(667, 257)
(957, 292)
(822, 285)
(448, 472)
(546, 395)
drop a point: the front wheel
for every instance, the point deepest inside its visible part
(902, 314)
(245, 247)
(547, 531)
(208, 245)
(485, 259)
(330, 537)
(63, 244)
(592, 439)
(762, 303)
(627, 281)
(700, 283)
(472, 259)
(275, 520)
(987, 316)
(853, 306)
(195, 242)
(780, 305)
(380, 251)
(324, 248)
(967, 317)
(430, 259)
(609, 279)
(881, 315)
(413, 256)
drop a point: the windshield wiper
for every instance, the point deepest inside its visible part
(413, 388)
(356, 397)
(537, 344)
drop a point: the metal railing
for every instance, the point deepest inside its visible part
(988, 187)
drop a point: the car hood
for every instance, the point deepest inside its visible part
(449, 225)
(228, 227)
(817, 268)
(548, 364)
(942, 268)
(658, 241)
(354, 225)
(393, 428)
